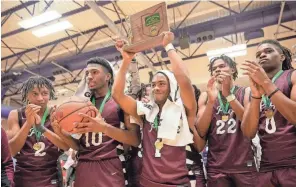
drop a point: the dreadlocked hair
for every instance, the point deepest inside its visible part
(38, 82)
(105, 63)
(196, 94)
(231, 63)
(281, 49)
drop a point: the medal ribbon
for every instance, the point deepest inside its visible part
(226, 106)
(37, 132)
(155, 123)
(265, 99)
(106, 98)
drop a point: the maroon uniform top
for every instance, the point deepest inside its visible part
(93, 146)
(279, 147)
(6, 162)
(229, 151)
(170, 168)
(36, 168)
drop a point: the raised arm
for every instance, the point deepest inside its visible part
(205, 108)
(281, 101)
(236, 106)
(127, 103)
(181, 74)
(51, 136)
(250, 121)
(17, 136)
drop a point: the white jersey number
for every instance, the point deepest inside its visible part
(270, 127)
(40, 151)
(93, 139)
(231, 126)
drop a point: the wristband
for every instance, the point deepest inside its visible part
(272, 93)
(256, 97)
(230, 98)
(169, 47)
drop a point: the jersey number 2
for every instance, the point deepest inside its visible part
(40, 151)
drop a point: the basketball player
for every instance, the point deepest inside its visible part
(163, 165)
(99, 164)
(7, 170)
(230, 157)
(273, 114)
(196, 172)
(32, 142)
(135, 153)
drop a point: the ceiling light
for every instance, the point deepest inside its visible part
(40, 19)
(50, 29)
(233, 51)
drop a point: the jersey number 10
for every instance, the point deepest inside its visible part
(93, 139)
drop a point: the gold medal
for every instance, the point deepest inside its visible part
(36, 146)
(158, 146)
(269, 113)
(225, 118)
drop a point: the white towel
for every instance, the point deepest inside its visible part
(170, 118)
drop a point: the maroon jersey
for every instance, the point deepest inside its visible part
(277, 135)
(134, 166)
(36, 168)
(97, 146)
(170, 168)
(229, 151)
(6, 162)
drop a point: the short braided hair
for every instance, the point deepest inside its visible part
(39, 82)
(231, 63)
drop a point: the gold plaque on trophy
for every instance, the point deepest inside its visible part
(146, 28)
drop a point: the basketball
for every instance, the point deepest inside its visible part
(68, 112)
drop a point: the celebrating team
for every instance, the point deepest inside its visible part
(250, 132)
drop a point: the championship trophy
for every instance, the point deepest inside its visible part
(147, 27)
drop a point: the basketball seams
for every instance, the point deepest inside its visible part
(89, 110)
(72, 113)
(72, 102)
